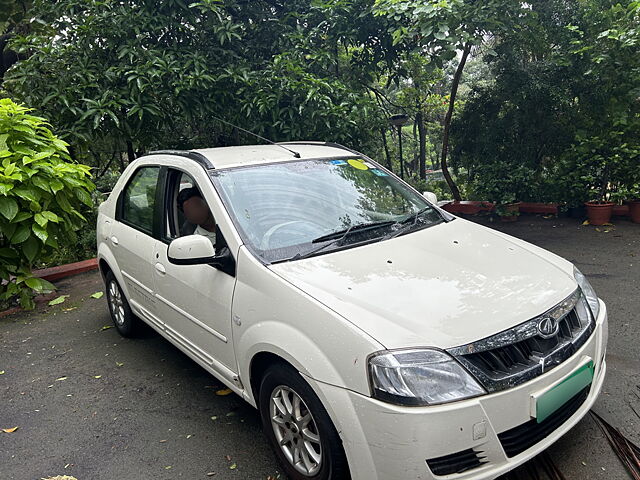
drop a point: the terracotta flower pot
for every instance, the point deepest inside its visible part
(599, 213)
(512, 211)
(634, 211)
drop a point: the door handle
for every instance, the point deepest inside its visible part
(114, 240)
(160, 268)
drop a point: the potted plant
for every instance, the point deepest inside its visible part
(600, 207)
(599, 211)
(634, 203)
(508, 209)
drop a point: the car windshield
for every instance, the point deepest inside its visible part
(291, 210)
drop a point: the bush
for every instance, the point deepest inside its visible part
(41, 193)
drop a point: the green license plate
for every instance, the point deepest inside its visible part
(553, 399)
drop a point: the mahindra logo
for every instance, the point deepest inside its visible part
(548, 327)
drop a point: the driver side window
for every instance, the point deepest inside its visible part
(187, 211)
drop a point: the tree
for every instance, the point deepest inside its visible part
(446, 30)
(151, 73)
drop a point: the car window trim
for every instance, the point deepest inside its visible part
(160, 180)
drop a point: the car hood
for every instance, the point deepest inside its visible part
(443, 286)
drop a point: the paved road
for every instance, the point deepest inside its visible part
(154, 414)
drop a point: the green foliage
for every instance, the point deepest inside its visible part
(561, 121)
(155, 73)
(41, 196)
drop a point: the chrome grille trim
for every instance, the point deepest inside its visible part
(522, 353)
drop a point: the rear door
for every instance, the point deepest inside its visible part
(132, 235)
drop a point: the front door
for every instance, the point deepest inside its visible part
(194, 301)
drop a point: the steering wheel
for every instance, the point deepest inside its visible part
(265, 244)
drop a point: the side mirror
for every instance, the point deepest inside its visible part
(431, 197)
(198, 250)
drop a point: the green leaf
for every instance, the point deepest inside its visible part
(41, 183)
(97, 295)
(40, 232)
(31, 248)
(40, 220)
(58, 300)
(5, 188)
(26, 193)
(39, 284)
(62, 200)
(8, 207)
(56, 185)
(52, 217)
(21, 234)
(84, 197)
(21, 217)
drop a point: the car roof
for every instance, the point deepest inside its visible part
(226, 157)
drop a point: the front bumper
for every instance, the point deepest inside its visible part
(384, 441)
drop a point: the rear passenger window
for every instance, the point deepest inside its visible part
(139, 198)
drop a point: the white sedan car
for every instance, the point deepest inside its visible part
(379, 336)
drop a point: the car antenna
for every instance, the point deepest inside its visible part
(295, 154)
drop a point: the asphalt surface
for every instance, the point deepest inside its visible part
(93, 405)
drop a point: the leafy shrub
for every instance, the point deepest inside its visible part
(41, 193)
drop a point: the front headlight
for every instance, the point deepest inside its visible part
(588, 291)
(420, 377)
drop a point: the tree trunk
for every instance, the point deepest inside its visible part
(131, 156)
(383, 132)
(422, 158)
(447, 123)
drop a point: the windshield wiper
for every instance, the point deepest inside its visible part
(339, 236)
(408, 223)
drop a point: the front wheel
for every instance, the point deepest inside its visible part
(299, 428)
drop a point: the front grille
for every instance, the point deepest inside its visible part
(519, 354)
(456, 462)
(520, 438)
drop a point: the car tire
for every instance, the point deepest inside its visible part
(312, 448)
(123, 318)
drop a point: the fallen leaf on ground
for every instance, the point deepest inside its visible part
(162, 441)
(97, 376)
(58, 300)
(224, 391)
(586, 222)
(210, 474)
(106, 327)
(97, 295)
(168, 467)
(9, 430)
(1, 372)
(118, 364)
(60, 477)
(60, 379)
(233, 467)
(214, 418)
(69, 309)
